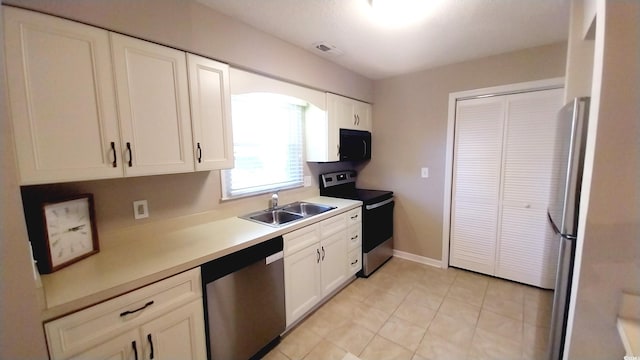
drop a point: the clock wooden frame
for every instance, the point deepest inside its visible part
(45, 260)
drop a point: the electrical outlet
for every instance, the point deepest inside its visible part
(425, 172)
(307, 181)
(140, 209)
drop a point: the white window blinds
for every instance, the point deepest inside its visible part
(267, 142)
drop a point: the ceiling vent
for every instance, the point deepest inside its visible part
(327, 48)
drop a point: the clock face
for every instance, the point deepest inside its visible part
(69, 230)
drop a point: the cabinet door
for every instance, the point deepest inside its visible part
(153, 99)
(362, 113)
(476, 183)
(178, 334)
(302, 282)
(340, 111)
(210, 113)
(126, 346)
(333, 255)
(62, 99)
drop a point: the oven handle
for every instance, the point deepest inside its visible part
(377, 205)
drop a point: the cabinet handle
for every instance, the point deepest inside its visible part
(355, 262)
(354, 237)
(129, 312)
(135, 349)
(199, 153)
(151, 345)
(364, 148)
(130, 154)
(318, 260)
(115, 159)
(323, 253)
(355, 119)
(354, 217)
(358, 117)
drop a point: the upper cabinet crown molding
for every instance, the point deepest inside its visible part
(89, 104)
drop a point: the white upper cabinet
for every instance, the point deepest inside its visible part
(210, 113)
(62, 99)
(153, 101)
(348, 113)
(323, 129)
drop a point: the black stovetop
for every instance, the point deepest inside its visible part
(342, 184)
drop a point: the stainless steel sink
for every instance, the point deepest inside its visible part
(287, 213)
(276, 217)
(307, 209)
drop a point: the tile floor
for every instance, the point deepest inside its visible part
(412, 311)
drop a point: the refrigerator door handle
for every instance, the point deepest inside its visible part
(553, 225)
(557, 231)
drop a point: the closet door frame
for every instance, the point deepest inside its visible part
(547, 84)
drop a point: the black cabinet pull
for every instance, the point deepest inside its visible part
(130, 154)
(199, 153)
(113, 150)
(129, 312)
(354, 237)
(135, 349)
(151, 345)
(318, 251)
(355, 262)
(323, 253)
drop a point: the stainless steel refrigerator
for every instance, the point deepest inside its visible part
(563, 210)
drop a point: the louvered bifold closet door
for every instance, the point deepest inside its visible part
(527, 251)
(476, 183)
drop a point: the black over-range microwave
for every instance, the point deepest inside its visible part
(355, 145)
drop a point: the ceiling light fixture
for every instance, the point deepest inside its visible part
(402, 13)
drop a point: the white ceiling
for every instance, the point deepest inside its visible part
(454, 31)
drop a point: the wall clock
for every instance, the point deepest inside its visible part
(70, 232)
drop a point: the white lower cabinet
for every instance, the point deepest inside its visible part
(316, 262)
(164, 320)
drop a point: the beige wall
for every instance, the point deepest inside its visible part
(21, 335)
(608, 246)
(410, 123)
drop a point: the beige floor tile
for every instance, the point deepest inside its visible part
(535, 340)
(418, 357)
(501, 325)
(507, 290)
(436, 348)
(425, 297)
(403, 332)
(469, 277)
(382, 349)
(415, 313)
(351, 337)
(451, 329)
(369, 317)
(537, 316)
(447, 276)
(299, 343)
(460, 310)
(384, 301)
(486, 345)
(360, 289)
(323, 321)
(326, 350)
(275, 354)
(539, 298)
(502, 306)
(434, 286)
(343, 306)
(473, 295)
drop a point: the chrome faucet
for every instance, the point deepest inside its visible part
(273, 203)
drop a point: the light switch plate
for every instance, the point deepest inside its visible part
(140, 209)
(307, 181)
(425, 172)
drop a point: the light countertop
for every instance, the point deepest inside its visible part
(144, 257)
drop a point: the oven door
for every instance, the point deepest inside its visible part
(377, 224)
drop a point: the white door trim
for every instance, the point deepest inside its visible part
(467, 94)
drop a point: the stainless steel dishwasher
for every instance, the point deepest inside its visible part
(244, 297)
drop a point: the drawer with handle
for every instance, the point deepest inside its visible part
(90, 327)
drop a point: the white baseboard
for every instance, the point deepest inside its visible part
(417, 258)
